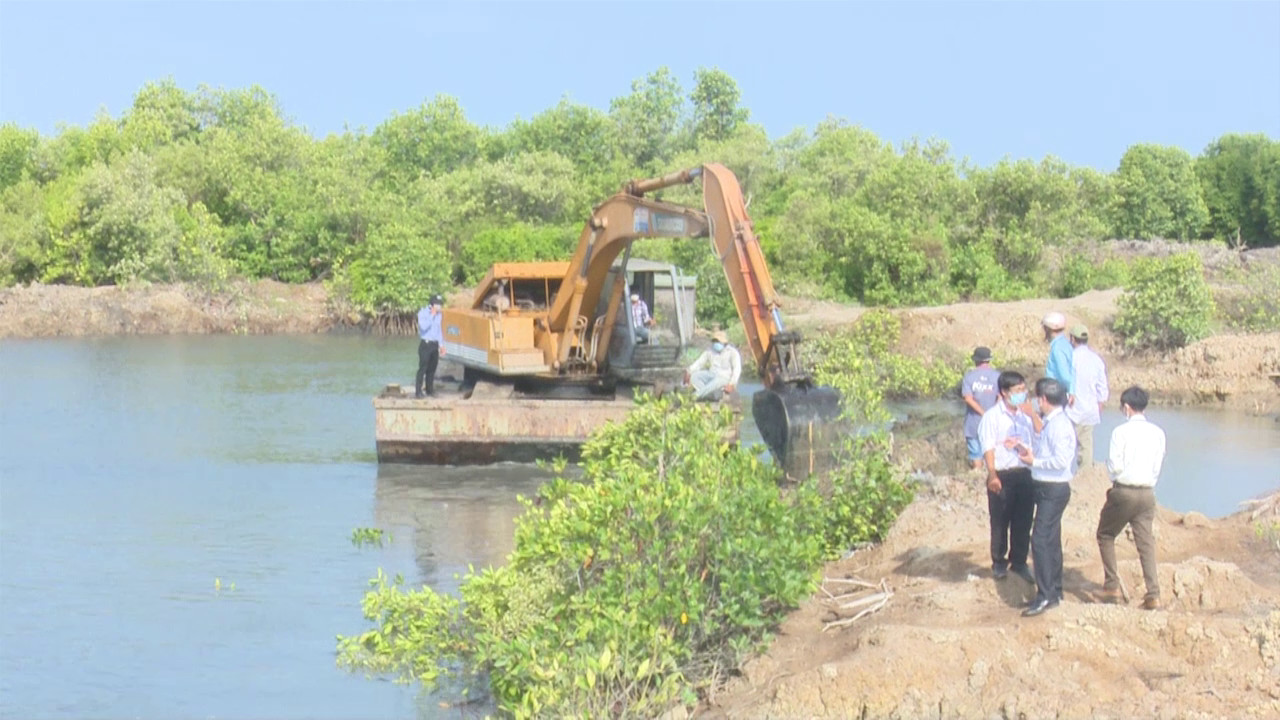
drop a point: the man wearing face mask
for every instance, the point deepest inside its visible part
(716, 369)
(1137, 453)
(1010, 504)
(1051, 457)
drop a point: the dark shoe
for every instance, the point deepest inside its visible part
(1151, 604)
(419, 394)
(999, 573)
(1024, 572)
(1038, 607)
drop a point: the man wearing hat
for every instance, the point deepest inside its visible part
(641, 320)
(1091, 393)
(715, 369)
(1059, 366)
(979, 391)
(430, 347)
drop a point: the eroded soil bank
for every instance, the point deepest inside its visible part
(951, 643)
(1235, 371)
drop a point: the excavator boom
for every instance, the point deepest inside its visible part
(797, 418)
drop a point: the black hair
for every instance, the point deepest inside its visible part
(1136, 398)
(1009, 379)
(1051, 390)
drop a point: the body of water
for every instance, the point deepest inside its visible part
(140, 478)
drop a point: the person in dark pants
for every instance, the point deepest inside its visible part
(1051, 457)
(1009, 501)
(430, 347)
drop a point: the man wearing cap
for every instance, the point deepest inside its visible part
(641, 321)
(1091, 393)
(715, 369)
(1059, 365)
(979, 391)
(430, 347)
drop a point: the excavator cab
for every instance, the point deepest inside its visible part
(642, 352)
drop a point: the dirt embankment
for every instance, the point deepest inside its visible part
(261, 307)
(951, 642)
(1232, 370)
(1236, 371)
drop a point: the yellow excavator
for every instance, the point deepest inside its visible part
(563, 330)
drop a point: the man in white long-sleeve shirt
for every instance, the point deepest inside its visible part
(716, 369)
(1010, 501)
(1091, 393)
(1051, 459)
(1134, 460)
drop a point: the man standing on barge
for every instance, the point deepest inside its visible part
(430, 347)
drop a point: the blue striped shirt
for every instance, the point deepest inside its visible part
(1054, 449)
(429, 325)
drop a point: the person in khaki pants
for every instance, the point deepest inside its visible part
(1136, 455)
(1091, 393)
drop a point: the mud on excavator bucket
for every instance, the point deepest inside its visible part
(801, 426)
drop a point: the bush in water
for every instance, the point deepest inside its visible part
(632, 588)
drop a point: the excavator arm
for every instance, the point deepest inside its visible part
(796, 417)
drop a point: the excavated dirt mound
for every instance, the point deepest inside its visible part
(951, 643)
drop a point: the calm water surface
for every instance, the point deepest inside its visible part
(137, 472)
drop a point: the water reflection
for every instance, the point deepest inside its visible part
(453, 517)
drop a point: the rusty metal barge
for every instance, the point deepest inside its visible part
(478, 428)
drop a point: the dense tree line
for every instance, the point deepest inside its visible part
(207, 185)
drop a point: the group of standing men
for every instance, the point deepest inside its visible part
(1029, 453)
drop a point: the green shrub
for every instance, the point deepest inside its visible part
(396, 271)
(1080, 274)
(1166, 303)
(861, 497)
(1253, 303)
(516, 243)
(668, 562)
(861, 364)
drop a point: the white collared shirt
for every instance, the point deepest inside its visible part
(1055, 449)
(998, 423)
(1091, 386)
(1137, 452)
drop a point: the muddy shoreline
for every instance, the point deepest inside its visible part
(1232, 371)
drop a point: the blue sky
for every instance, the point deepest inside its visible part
(1080, 80)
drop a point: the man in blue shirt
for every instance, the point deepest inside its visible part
(978, 388)
(430, 347)
(1060, 366)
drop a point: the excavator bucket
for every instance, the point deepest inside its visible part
(800, 425)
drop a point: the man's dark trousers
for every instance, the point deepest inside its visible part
(428, 358)
(1046, 537)
(1011, 511)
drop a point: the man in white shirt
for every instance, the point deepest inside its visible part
(1091, 393)
(1051, 458)
(716, 369)
(1010, 503)
(1134, 460)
